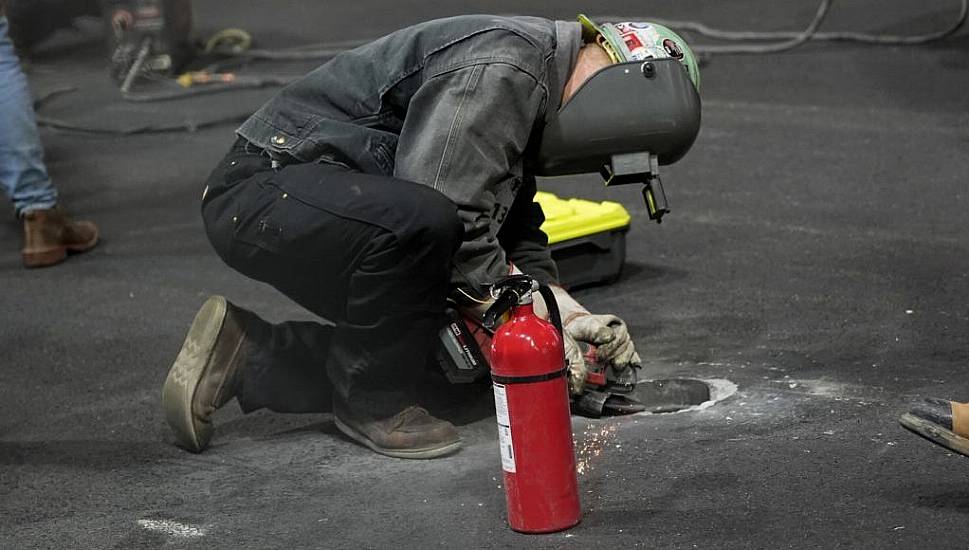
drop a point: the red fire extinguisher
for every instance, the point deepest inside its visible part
(532, 404)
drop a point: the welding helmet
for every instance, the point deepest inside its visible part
(639, 41)
(629, 117)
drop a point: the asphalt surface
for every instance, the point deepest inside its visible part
(817, 257)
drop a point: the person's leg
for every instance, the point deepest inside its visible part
(48, 234)
(286, 368)
(369, 253)
(230, 352)
(22, 170)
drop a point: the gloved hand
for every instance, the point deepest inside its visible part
(614, 346)
(608, 333)
(575, 361)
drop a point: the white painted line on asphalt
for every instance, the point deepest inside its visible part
(173, 529)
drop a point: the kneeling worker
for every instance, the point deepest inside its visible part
(370, 190)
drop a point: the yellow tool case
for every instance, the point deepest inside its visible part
(587, 238)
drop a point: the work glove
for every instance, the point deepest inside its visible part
(575, 362)
(609, 335)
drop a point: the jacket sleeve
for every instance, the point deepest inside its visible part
(522, 238)
(464, 135)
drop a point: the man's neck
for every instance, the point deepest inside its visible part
(591, 59)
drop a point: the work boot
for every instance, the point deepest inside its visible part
(942, 422)
(411, 433)
(49, 235)
(205, 374)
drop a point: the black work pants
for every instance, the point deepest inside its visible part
(369, 253)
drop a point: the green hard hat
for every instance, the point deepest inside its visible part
(639, 40)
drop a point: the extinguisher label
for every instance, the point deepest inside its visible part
(504, 429)
(507, 449)
(501, 405)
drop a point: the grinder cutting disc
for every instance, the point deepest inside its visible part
(594, 404)
(656, 396)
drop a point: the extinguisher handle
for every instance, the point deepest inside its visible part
(504, 302)
(553, 309)
(510, 290)
(507, 292)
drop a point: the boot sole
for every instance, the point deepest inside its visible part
(187, 371)
(420, 453)
(935, 433)
(54, 256)
(46, 258)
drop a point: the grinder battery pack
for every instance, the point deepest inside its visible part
(463, 350)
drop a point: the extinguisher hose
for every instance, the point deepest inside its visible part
(553, 309)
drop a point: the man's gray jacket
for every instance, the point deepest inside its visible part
(453, 104)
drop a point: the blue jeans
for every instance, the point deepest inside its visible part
(23, 175)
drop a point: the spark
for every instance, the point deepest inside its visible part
(590, 446)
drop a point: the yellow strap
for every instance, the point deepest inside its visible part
(601, 41)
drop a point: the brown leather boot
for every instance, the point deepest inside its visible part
(205, 375)
(49, 235)
(411, 433)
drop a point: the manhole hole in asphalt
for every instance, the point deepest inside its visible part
(681, 394)
(653, 397)
(670, 395)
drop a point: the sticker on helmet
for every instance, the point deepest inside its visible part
(632, 41)
(672, 48)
